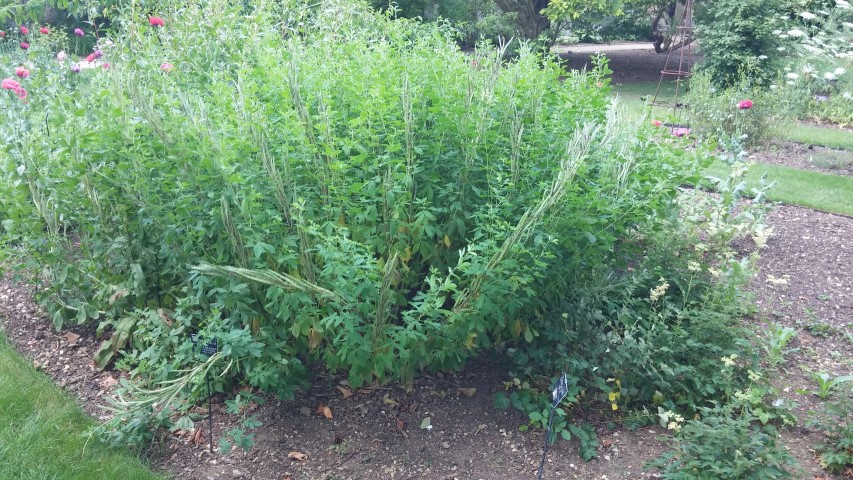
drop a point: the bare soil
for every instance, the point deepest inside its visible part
(636, 65)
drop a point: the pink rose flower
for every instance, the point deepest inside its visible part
(156, 22)
(167, 67)
(44, 30)
(744, 104)
(25, 45)
(24, 30)
(79, 32)
(22, 72)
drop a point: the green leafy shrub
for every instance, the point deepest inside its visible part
(738, 40)
(324, 185)
(727, 441)
(714, 112)
(836, 452)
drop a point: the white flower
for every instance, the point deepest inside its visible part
(792, 76)
(842, 4)
(807, 15)
(839, 71)
(762, 57)
(847, 24)
(796, 32)
(847, 95)
(808, 68)
(773, 87)
(659, 291)
(781, 49)
(829, 76)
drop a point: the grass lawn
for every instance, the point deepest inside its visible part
(819, 191)
(815, 135)
(41, 431)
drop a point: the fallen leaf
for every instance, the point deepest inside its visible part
(468, 392)
(426, 423)
(439, 393)
(297, 456)
(606, 443)
(346, 392)
(72, 337)
(197, 436)
(387, 400)
(324, 411)
(164, 315)
(118, 294)
(400, 424)
(108, 382)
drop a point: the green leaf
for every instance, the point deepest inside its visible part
(224, 445)
(58, 319)
(500, 400)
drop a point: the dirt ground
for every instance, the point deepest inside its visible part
(377, 433)
(635, 64)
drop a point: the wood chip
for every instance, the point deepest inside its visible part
(299, 456)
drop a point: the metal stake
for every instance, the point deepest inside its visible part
(209, 414)
(545, 450)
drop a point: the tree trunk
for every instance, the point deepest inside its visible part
(529, 18)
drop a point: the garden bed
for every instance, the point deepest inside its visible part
(807, 157)
(376, 432)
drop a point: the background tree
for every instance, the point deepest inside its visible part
(738, 41)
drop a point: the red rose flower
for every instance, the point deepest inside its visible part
(90, 57)
(744, 104)
(25, 45)
(24, 30)
(156, 22)
(2, 34)
(44, 30)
